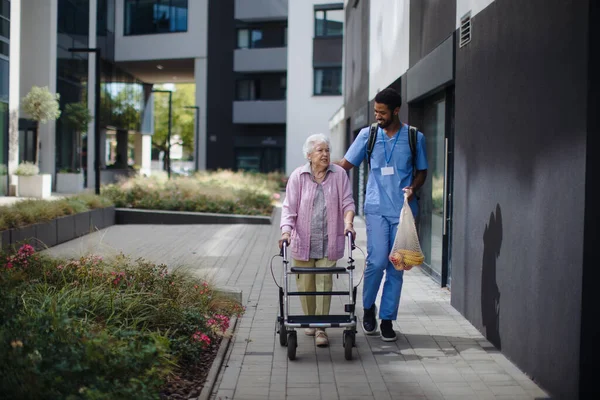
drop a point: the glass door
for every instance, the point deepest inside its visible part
(435, 194)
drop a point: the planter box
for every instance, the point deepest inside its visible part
(37, 186)
(65, 229)
(110, 216)
(23, 235)
(5, 239)
(69, 182)
(134, 216)
(97, 219)
(45, 232)
(82, 223)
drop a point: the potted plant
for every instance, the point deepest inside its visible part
(31, 183)
(42, 107)
(75, 117)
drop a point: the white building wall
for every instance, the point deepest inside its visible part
(38, 65)
(190, 44)
(464, 6)
(337, 134)
(389, 29)
(306, 114)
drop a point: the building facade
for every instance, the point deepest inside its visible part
(315, 73)
(233, 51)
(507, 127)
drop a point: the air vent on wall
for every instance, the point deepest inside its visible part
(465, 29)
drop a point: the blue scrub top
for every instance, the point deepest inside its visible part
(384, 192)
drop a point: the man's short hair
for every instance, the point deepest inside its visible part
(390, 97)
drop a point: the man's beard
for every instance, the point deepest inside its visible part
(385, 124)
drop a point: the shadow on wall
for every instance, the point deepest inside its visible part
(490, 293)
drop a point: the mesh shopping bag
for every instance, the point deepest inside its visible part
(406, 252)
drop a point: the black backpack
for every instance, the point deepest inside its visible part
(412, 142)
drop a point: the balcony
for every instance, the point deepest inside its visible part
(259, 112)
(260, 60)
(261, 10)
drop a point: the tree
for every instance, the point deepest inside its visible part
(182, 118)
(77, 117)
(42, 106)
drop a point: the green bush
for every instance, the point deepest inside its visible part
(96, 329)
(223, 192)
(27, 212)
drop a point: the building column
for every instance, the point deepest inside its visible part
(14, 97)
(122, 147)
(91, 99)
(38, 66)
(200, 72)
(143, 153)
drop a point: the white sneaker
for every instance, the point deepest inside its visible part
(309, 331)
(321, 339)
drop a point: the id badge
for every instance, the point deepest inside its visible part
(387, 171)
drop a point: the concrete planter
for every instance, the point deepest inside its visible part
(69, 182)
(60, 230)
(37, 186)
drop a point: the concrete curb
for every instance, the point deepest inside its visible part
(213, 374)
(134, 216)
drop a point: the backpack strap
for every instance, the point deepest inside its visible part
(371, 142)
(412, 142)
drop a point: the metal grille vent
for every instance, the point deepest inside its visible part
(465, 29)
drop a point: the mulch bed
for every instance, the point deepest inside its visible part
(189, 381)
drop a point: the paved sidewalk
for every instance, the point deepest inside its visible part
(439, 354)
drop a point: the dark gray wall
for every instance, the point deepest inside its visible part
(518, 213)
(356, 64)
(590, 329)
(220, 92)
(431, 22)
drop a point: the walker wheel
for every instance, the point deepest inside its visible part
(292, 343)
(349, 342)
(282, 333)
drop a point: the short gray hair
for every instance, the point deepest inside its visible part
(311, 142)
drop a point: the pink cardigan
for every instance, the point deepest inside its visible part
(297, 210)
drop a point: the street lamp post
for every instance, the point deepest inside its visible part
(196, 137)
(98, 52)
(169, 131)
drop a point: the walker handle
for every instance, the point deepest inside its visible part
(283, 250)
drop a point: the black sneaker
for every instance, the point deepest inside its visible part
(369, 320)
(387, 331)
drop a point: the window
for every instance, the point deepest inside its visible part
(329, 22)
(155, 16)
(250, 38)
(328, 81)
(247, 89)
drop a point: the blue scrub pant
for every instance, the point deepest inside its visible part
(381, 232)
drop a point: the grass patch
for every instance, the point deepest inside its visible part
(99, 329)
(223, 192)
(27, 212)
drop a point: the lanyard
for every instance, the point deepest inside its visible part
(387, 160)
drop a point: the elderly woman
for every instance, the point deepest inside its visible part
(318, 211)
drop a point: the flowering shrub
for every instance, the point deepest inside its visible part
(224, 192)
(27, 169)
(92, 328)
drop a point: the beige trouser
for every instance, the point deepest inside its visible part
(315, 305)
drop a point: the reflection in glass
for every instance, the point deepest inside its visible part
(329, 22)
(432, 193)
